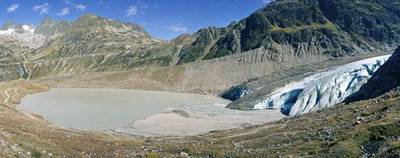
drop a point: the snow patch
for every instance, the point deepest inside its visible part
(7, 32)
(25, 35)
(28, 28)
(322, 90)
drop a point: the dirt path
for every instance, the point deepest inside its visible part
(8, 96)
(16, 107)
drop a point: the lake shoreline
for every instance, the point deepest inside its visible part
(107, 110)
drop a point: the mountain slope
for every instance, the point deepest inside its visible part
(50, 27)
(91, 34)
(304, 28)
(94, 43)
(283, 35)
(16, 43)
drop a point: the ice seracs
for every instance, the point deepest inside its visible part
(323, 89)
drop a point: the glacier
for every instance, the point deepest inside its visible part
(323, 89)
(14, 31)
(25, 34)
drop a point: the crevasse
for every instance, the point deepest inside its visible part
(323, 89)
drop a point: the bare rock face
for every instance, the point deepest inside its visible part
(385, 79)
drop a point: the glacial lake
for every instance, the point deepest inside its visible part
(105, 109)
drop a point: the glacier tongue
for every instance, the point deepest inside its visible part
(323, 89)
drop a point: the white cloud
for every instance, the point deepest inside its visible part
(77, 6)
(43, 9)
(178, 28)
(12, 8)
(64, 11)
(80, 7)
(137, 9)
(132, 11)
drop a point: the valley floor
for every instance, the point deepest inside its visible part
(367, 128)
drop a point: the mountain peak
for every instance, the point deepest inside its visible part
(51, 27)
(90, 16)
(93, 23)
(9, 28)
(7, 25)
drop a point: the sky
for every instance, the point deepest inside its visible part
(164, 19)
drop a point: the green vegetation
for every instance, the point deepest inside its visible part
(313, 26)
(36, 154)
(381, 132)
(152, 155)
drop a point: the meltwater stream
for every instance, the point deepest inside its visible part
(323, 89)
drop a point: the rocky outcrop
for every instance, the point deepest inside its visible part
(236, 93)
(385, 79)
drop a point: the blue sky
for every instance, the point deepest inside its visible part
(164, 19)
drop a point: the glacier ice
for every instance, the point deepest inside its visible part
(322, 89)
